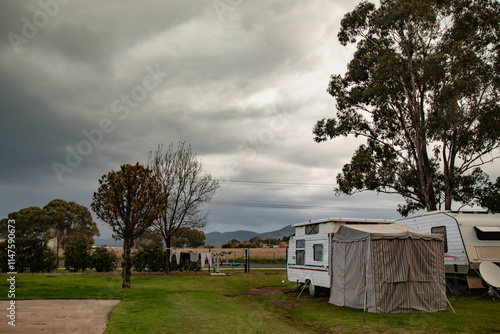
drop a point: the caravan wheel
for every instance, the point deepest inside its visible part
(313, 290)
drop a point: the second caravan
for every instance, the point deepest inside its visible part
(471, 238)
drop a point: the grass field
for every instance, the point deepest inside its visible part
(259, 302)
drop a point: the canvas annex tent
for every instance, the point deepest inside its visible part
(387, 269)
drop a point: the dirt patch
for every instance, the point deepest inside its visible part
(279, 304)
(58, 316)
(265, 290)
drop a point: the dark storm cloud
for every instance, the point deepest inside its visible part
(86, 86)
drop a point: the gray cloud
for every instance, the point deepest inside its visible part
(243, 85)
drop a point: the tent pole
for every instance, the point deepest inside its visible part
(366, 278)
(305, 284)
(452, 309)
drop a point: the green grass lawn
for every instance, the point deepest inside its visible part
(259, 302)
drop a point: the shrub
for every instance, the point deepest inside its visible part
(30, 254)
(77, 256)
(104, 259)
(150, 257)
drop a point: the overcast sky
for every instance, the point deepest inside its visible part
(86, 86)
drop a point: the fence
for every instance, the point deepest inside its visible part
(233, 253)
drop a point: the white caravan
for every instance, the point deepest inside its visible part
(309, 250)
(471, 238)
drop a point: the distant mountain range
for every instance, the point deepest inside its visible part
(107, 242)
(216, 239)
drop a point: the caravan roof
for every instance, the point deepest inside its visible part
(346, 220)
(472, 217)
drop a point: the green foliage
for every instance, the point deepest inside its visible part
(149, 237)
(232, 244)
(30, 254)
(66, 221)
(255, 242)
(77, 256)
(30, 222)
(70, 221)
(423, 89)
(490, 197)
(151, 258)
(104, 259)
(186, 237)
(129, 201)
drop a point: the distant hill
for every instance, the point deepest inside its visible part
(279, 234)
(216, 239)
(108, 242)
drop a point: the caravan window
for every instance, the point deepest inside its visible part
(487, 233)
(300, 254)
(441, 230)
(300, 257)
(318, 252)
(312, 229)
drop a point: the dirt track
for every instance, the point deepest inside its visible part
(58, 316)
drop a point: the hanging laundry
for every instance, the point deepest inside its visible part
(194, 257)
(185, 257)
(177, 255)
(209, 258)
(204, 257)
(202, 260)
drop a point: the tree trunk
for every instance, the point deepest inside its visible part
(431, 196)
(449, 178)
(57, 254)
(425, 179)
(126, 265)
(423, 166)
(166, 271)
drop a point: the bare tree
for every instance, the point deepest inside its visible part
(181, 176)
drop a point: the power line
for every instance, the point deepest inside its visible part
(251, 182)
(277, 183)
(296, 207)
